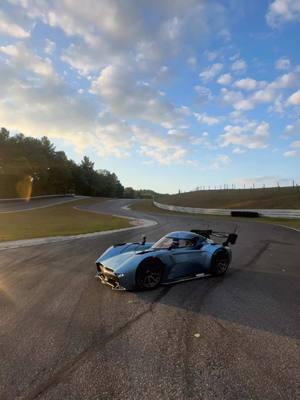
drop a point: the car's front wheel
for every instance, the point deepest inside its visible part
(220, 262)
(149, 274)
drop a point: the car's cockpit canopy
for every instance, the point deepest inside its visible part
(179, 239)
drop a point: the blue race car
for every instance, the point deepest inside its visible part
(176, 257)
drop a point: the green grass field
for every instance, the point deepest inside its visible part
(57, 220)
(148, 207)
(275, 198)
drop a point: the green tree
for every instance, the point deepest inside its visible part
(27, 159)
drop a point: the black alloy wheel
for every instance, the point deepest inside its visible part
(220, 263)
(149, 274)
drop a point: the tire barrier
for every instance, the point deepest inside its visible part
(248, 214)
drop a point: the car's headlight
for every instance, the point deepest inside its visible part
(120, 275)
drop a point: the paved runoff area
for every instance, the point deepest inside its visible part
(63, 335)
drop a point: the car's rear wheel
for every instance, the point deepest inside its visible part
(149, 274)
(220, 262)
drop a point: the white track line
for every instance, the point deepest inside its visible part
(142, 223)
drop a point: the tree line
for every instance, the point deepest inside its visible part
(27, 161)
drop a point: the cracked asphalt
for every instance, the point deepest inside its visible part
(63, 335)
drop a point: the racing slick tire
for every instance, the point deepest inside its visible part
(149, 274)
(220, 262)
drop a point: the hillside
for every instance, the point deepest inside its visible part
(279, 198)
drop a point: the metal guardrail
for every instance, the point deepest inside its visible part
(292, 214)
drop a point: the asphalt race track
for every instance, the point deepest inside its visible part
(63, 335)
(31, 204)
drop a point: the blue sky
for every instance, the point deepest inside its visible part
(172, 94)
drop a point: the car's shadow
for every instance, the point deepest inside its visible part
(254, 299)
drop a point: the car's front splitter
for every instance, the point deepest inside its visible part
(103, 279)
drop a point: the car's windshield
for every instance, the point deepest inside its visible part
(169, 242)
(163, 243)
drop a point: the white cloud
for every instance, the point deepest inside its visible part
(283, 11)
(224, 159)
(292, 129)
(204, 94)
(262, 96)
(192, 61)
(184, 111)
(239, 65)
(49, 46)
(295, 144)
(237, 117)
(238, 150)
(164, 157)
(211, 55)
(47, 107)
(285, 81)
(278, 105)
(283, 63)
(210, 73)
(252, 135)
(130, 99)
(112, 137)
(172, 28)
(224, 79)
(126, 50)
(23, 57)
(206, 119)
(10, 28)
(244, 105)
(107, 31)
(53, 109)
(219, 161)
(264, 93)
(44, 107)
(294, 99)
(177, 133)
(224, 34)
(290, 153)
(246, 84)
(230, 97)
(169, 149)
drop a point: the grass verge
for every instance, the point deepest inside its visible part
(147, 207)
(274, 198)
(59, 220)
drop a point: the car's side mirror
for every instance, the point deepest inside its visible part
(143, 239)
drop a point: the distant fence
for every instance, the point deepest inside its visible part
(239, 187)
(223, 211)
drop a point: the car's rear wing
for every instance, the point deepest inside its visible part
(207, 233)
